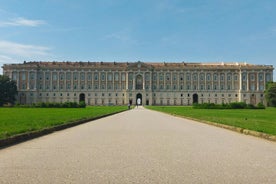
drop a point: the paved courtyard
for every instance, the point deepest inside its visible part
(141, 146)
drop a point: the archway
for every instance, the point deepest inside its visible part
(139, 99)
(195, 98)
(82, 97)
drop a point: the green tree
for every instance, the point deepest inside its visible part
(8, 90)
(270, 94)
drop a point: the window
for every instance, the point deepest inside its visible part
(116, 76)
(61, 76)
(147, 76)
(168, 76)
(103, 76)
(14, 75)
(75, 75)
(244, 76)
(47, 76)
(161, 77)
(123, 76)
(32, 76)
(252, 77)
(89, 76)
(268, 77)
(40, 76)
(195, 77)
(181, 77)
(82, 76)
(222, 77)
(174, 77)
(215, 77)
(215, 87)
(261, 77)
(229, 77)
(54, 76)
(188, 76)
(252, 87)
(208, 77)
(96, 76)
(68, 76)
(110, 77)
(202, 77)
(154, 76)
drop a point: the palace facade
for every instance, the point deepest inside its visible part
(120, 83)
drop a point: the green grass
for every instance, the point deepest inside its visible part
(263, 120)
(20, 120)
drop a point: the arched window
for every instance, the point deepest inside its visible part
(139, 82)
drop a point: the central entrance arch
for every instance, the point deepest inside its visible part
(139, 99)
(195, 98)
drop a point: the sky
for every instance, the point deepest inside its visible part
(138, 30)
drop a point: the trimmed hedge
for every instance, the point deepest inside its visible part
(234, 105)
(55, 105)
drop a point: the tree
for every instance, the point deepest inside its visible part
(270, 94)
(8, 90)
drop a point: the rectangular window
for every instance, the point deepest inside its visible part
(14, 75)
(75, 76)
(96, 76)
(82, 76)
(252, 77)
(23, 76)
(54, 76)
(68, 76)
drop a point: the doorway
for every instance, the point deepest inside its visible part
(82, 97)
(195, 98)
(139, 99)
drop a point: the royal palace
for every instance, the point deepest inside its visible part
(122, 83)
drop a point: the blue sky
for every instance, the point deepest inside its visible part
(146, 30)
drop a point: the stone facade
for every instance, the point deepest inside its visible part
(120, 83)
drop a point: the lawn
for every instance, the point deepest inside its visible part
(20, 120)
(263, 120)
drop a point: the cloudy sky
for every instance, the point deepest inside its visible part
(145, 30)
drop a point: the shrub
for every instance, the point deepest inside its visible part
(82, 104)
(234, 105)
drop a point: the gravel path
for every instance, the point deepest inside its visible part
(141, 146)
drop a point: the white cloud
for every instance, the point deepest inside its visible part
(12, 49)
(20, 21)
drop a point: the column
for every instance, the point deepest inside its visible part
(247, 81)
(233, 81)
(264, 79)
(257, 81)
(28, 81)
(134, 79)
(144, 80)
(106, 80)
(58, 81)
(126, 80)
